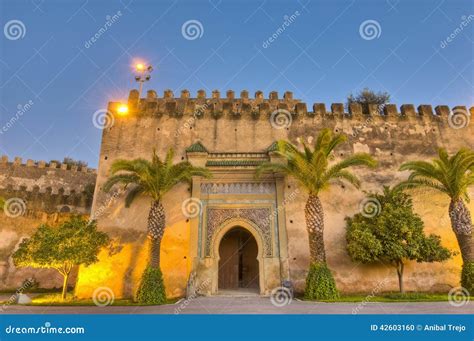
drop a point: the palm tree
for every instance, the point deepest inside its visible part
(312, 170)
(152, 178)
(451, 175)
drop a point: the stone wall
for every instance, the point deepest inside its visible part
(35, 193)
(245, 125)
(12, 231)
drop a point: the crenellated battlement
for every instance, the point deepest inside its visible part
(47, 187)
(232, 107)
(18, 162)
(64, 200)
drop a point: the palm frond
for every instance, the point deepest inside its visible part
(347, 176)
(448, 174)
(334, 142)
(420, 183)
(134, 193)
(153, 178)
(124, 179)
(310, 167)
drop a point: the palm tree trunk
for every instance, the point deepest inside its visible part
(314, 215)
(461, 223)
(156, 229)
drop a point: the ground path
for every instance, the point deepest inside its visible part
(252, 305)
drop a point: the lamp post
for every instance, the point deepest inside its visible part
(142, 75)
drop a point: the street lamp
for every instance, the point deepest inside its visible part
(142, 75)
(122, 110)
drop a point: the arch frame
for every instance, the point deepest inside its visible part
(225, 227)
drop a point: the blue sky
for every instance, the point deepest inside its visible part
(321, 56)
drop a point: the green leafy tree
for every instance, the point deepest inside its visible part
(366, 97)
(154, 179)
(72, 243)
(394, 235)
(451, 175)
(313, 171)
(71, 162)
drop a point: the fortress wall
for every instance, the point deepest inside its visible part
(391, 135)
(47, 187)
(12, 232)
(37, 193)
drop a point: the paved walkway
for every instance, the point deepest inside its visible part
(252, 305)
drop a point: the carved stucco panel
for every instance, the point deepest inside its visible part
(260, 217)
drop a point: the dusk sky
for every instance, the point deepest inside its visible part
(420, 52)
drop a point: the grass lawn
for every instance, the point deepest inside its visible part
(55, 300)
(392, 297)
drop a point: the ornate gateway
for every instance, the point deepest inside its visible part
(260, 217)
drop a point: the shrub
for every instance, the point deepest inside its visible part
(320, 284)
(152, 288)
(467, 277)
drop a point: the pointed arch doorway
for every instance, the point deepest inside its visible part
(239, 268)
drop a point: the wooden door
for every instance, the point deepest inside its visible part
(248, 262)
(229, 262)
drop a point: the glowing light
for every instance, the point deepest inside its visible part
(122, 110)
(140, 67)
